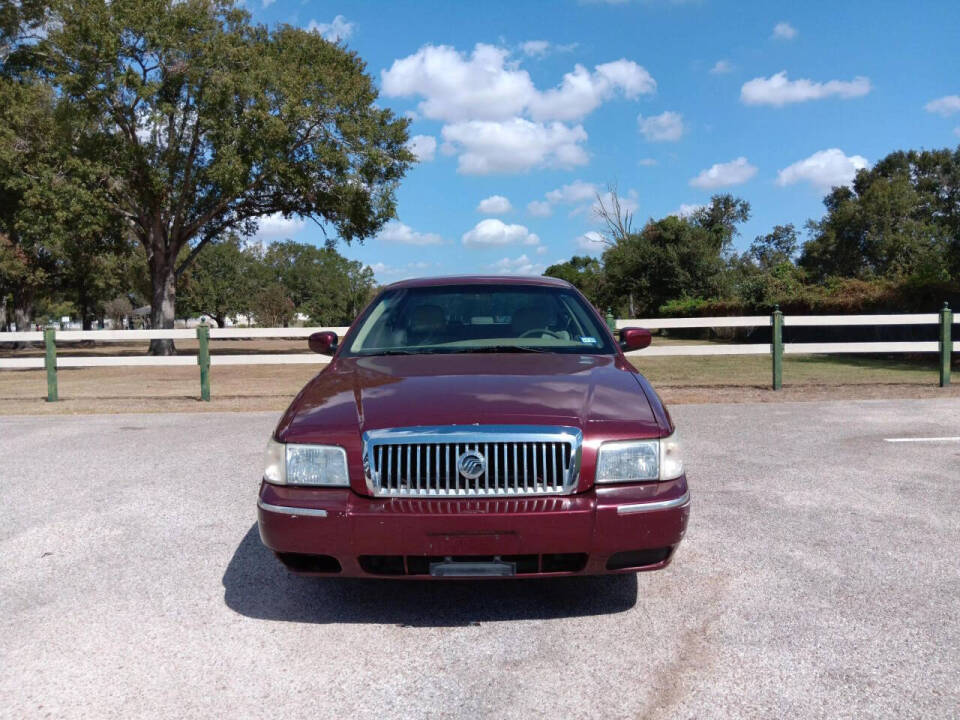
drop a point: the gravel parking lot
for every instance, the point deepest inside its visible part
(820, 577)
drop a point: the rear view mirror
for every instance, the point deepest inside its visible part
(635, 338)
(324, 342)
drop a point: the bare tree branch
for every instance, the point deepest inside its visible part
(618, 223)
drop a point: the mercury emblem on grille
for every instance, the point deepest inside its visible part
(471, 464)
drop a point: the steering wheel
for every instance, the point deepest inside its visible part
(538, 332)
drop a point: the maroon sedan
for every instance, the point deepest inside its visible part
(475, 427)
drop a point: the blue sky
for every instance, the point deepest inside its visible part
(543, 104)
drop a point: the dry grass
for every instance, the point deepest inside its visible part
(722, 378)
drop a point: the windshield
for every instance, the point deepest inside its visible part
(479, 318)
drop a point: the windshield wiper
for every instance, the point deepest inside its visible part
(503, 349)
(423, 351)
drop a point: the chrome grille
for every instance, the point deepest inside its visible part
(517, 460)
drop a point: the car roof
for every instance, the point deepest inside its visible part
(506, 280)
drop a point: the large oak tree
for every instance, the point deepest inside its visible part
(898, 219)
(211, 122)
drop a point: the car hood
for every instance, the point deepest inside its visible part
(599, 394)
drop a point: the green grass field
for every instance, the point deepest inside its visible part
(797, 370)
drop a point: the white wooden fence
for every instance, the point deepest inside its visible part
(776, 349)
(151, 360)
(790, 321)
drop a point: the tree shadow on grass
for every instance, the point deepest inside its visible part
(918, 363)
(257, 586)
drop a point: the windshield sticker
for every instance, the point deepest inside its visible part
(588, 340)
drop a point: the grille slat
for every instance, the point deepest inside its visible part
(527, 460)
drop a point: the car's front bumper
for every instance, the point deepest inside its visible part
(608, 529)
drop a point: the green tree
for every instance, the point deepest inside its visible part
(21, 21)
(53, 203)
(720, 219)
(272, 307)
(222, 281)
(212, 122)
(322, 283)
(900, 218)
(673, 257)
(118, 309)
(776, 247)
(583, 272)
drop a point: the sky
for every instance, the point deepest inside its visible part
(523, 111)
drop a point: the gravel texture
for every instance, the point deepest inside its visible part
(820, 577)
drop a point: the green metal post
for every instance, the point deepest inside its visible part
(611, 321)
(776, 347)
(946, 344)
(50, 361)
(203, 360)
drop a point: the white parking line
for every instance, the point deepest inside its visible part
(930, 439)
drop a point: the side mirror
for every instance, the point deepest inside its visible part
(634, 338)
(324, 342)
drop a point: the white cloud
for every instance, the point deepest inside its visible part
(721, 67)
(647, 162)
(399, 272)
(336, 30)
(268, 3)
(946, 106)
(493, 233)
(276, 226)
(591, 242)
(665, 127)
(535, 48)
(457, 87)
(574, 192)
(777, 90)
(686, 210)
(584, 195)
(396, 232)
(497, 119)
(517, 266)
(720, 175)
(423, 146)
(581, 92)
(514, 145)
(824, 169)
(485, 85)
(784, 31)
(541, 48)
(539, 208)
(494, 205)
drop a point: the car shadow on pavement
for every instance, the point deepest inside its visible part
(257, 586)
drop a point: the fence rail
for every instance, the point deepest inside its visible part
(776, 349)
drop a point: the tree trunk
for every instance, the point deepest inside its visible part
(221, 320)
(22, 313)
(86, 316)
(163, 307)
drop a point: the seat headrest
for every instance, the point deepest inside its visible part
(427, 318)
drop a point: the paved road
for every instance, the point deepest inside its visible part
(819, 578)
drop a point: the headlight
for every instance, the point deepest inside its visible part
(275, 463)
(639, 460)
(317, 465)
(671, 457)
